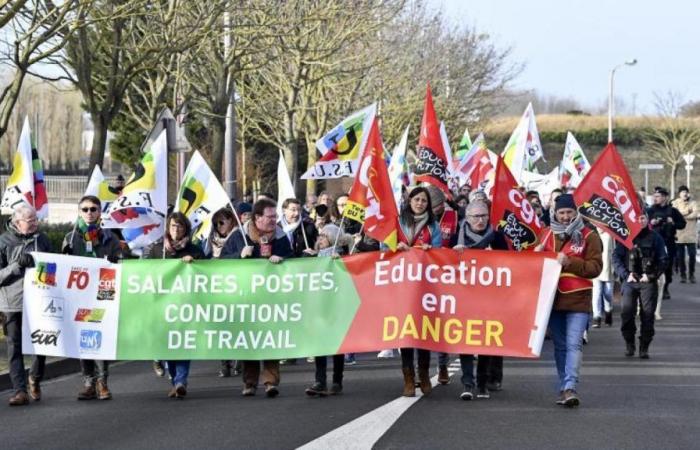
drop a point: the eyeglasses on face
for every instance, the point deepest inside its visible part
(30, 220)
(479, 216)
(89, 209)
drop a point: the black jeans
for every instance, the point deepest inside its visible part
(489, 369)
(13, 335)
(644, 295)
(671, 250)
(692, 252)
(407, 358)
(94, 370)
(322, 365)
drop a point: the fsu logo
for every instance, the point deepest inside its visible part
(45, 274)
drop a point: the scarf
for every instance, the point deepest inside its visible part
(217, 242)
(91, 236)
(256, 235)
(419, 221)
(573, 230)
(480, 241)
(173, 246)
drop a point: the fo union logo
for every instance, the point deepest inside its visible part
(90, 340)
(52, 307)
(79, 278)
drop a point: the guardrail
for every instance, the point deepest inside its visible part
(59, 188)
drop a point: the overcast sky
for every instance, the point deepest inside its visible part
(569, 46)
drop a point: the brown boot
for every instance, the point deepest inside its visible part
(409, 382)
(87, 393)
(19, 399)
(443, 375)
(34, 389)
(424, 378)
(103, 391)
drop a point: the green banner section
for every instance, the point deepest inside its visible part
(234, 309)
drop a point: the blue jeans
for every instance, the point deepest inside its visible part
(567, 329)
(179, 371)
(602, 297)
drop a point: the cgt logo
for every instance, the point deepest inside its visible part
(106, 288)
(45, 273)
(79, 278)
(94, 315)
(90, 340)
(52, 307)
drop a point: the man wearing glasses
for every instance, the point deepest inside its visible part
(22, 236)
(475, 232)
(90, 240)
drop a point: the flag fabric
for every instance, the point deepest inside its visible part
(100, 188)
(483, 172)
(371, 200)
(200, 196)
(464, 145)
(607, 197)
(511, 212)
(432, 164)
(543, 184)
(141, 237)
(26, 182)
(523, 148)
(342, 146)
(285, 188)
(574, 164)
(398, 176)
(145, 191)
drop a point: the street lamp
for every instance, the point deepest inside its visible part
(611, 102)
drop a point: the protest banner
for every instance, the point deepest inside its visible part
(476, 301)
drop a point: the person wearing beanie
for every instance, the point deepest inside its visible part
(639, 268)
(579, 251)
(686, 238)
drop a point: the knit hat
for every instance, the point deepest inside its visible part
(661, 190)
(564, 201)
(244, 207)
(437, 197)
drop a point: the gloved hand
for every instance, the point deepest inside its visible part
(25, 260)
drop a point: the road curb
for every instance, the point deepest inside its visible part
(53, 369)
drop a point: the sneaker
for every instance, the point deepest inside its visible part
(467, 394)
(657, 316)
(248, 391)
(103, 391)
(571, 398)
(386, 354)
(560, 399)
(585, 337)
(482, 392)
(87, 393)
(310, 359)
(336, 389)
(317, 388)
(19, 399)
(34, 389)
(494, 386)
(596, 322)
(443, 375)
(271, 391)
(350, 361)
(180, 390)
(225, 371)
(158, 368)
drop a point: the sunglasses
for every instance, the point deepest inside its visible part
(221, 222)
(90, 209)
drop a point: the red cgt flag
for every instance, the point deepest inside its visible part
(511, 213)
(431, 165)
(608, 199)
(371, 199)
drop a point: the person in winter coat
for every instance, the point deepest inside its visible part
(176, 244)
(475, 232)
(21, 238)
(263, 239)
(604, 283)
(687, 238)
(90, 240)
(665, 220)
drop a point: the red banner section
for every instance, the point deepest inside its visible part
(473, 302)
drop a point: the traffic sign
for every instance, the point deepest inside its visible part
(688, 167)
(651, 166)
(688, 158)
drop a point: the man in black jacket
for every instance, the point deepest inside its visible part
(639, 270)
(21, 237)
(665, 220)
(263, 239)
(300, 231)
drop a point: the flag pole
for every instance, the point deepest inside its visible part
(303, 232)
(337, 236)
(354, 245)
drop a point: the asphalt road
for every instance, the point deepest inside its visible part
(627, 403)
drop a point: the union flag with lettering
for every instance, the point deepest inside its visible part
(431, 165)
(607, 197)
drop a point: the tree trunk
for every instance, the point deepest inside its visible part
(290, 146)
(311, 152)
(674, 173)
(7, 103)
(218, 136)
(100, 125)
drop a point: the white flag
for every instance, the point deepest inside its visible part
(397, 168)
(523, 148)
(285, 188)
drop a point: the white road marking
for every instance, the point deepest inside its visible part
(366, 430)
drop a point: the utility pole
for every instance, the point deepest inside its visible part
(230, 134)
